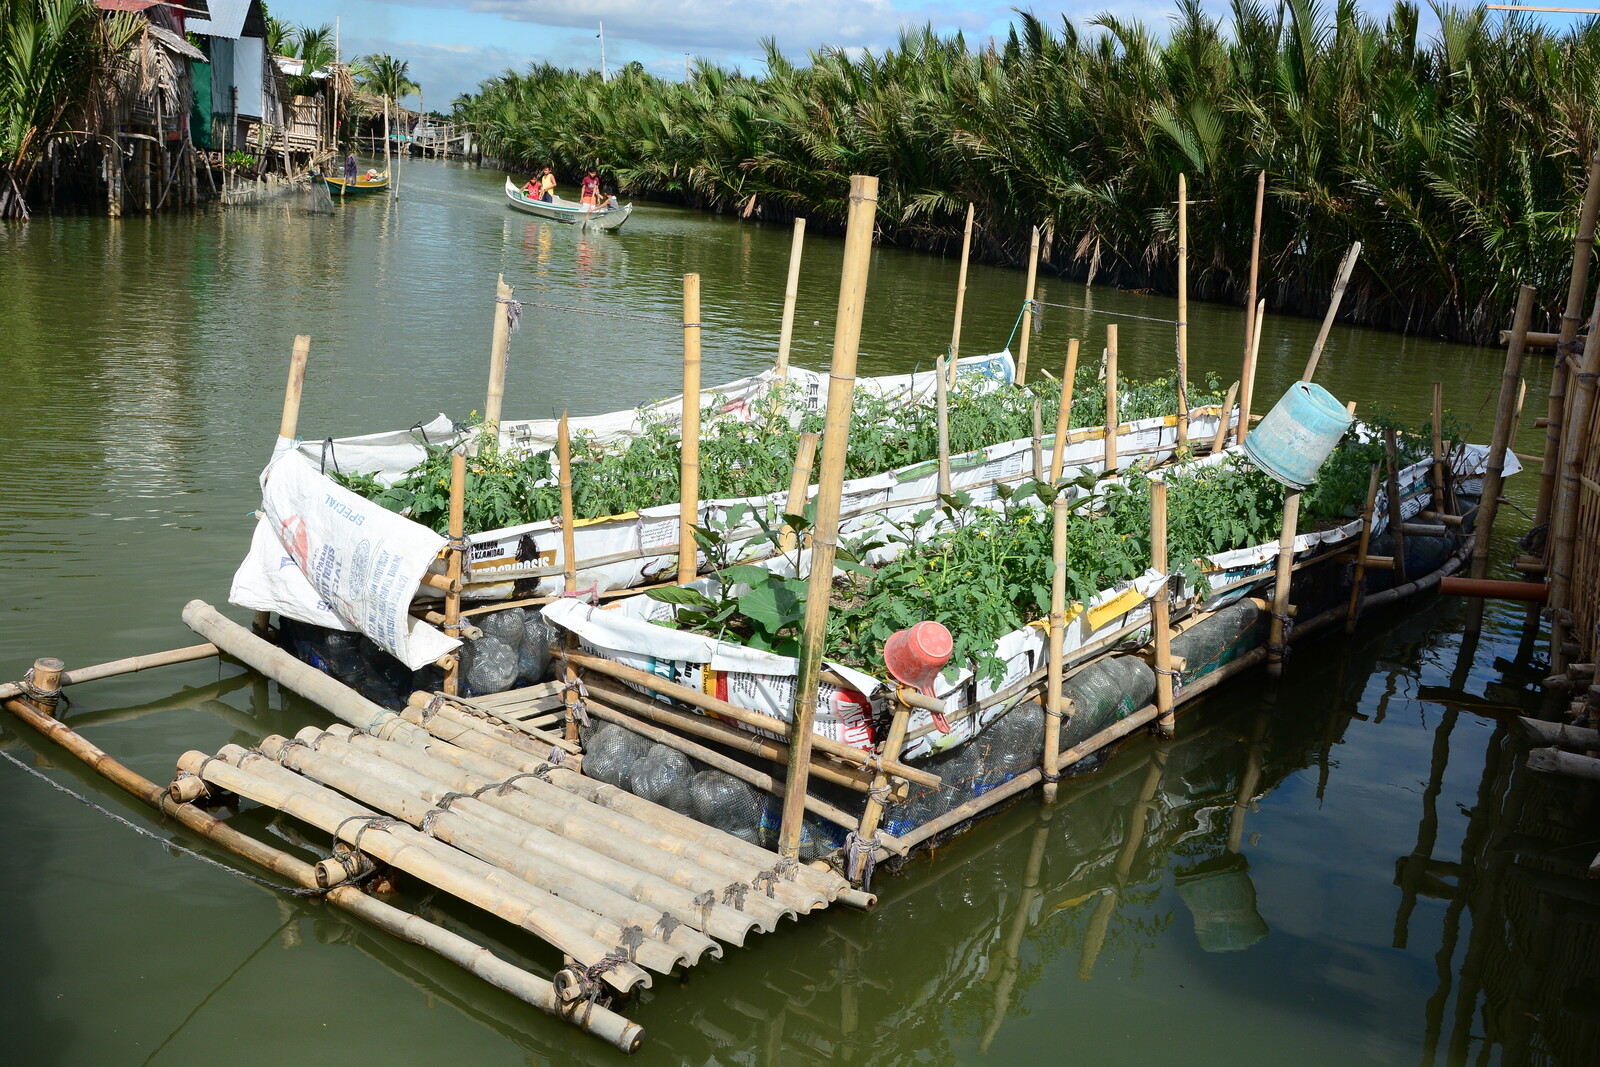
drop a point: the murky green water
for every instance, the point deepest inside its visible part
(1393, 886)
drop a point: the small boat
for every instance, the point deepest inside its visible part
(604, 218)
(362, 186)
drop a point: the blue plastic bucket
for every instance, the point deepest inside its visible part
(1300, 431)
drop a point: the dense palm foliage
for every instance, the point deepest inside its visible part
(1457, 158)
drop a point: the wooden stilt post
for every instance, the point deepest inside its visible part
(1353, 613)
(569, 569)
(799, 482)
(942, 408)
(1564, 508)
(961, 295)
(689, 437)
(1027, 309)
(791, 294)
(499, 351)
(825, 530)
(1247, 376)
(1494, 468)
(1112, 422)
(1161, 608)
(1064, 413)
(1571, 318)
(1183, 312)
(1054, 700)
(1396, 514)
(455, 564)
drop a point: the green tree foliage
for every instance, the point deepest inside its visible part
(1456, 158)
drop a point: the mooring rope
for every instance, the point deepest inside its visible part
(1105, 311)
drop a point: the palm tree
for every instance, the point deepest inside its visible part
(384, 76)
(313, 46)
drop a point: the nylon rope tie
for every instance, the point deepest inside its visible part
(358, 867)
(513, 310)
(587, 979)
(863, 855)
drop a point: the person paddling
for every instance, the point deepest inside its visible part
(591, 189)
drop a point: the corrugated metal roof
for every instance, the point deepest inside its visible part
(228, 18)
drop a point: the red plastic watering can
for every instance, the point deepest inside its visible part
(915, 656)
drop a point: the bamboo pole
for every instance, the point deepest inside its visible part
(1064, 413)
(1343, 280)
(1494, 468)
(1571, 318)
(473, 881)
(1183, 311)
(1247, 376)
(499, 353)
(961, 295)
(569, 567)
(1564, 509)
(1038, 442)
(1443, 498)
(289, 423)
(1353, 612)
(1111, 400)
(861, 850)
(530, 989)
(1054, 699)
(791, 294)
(942, 410)
(117, 667)
(825, 530)
(794, 503)
(1222, 420)
(1248, 399)
(1282, 610)
(689, 436)
(1027, 309)
(1161, 608)
(454, 561)
(1396, 514)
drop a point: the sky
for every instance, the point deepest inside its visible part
(452, 45)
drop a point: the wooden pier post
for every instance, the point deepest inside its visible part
(961, 294)
(689, 435)
(1027, 309)
(1353, 612)
(830, 484)
(569, 570)
(455, 564)
(1183, 312)
(1564, 508)
(1054, 699)
(1064, 413)
(791, 295)
(794, 502)
(1112, 422)
(1494, 467)
(942, 416)
(1247, 375)
(499, 349)
(1161, 608)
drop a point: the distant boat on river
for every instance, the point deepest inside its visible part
(362, 186)
(605, 218)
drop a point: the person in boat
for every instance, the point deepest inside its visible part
(530, 188)
(591, 190)
(350, 169)
(547, 185)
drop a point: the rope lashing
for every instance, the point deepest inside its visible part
(463, 546)
(541, 772)
(705, 902)
(513, 310)
(558, 756)
(358, 867)
(1175, 675)
(586, 980)
(733, 894)
(787, 868)
(432, 707)
(880, 793)
(578, 709)
(862, 856)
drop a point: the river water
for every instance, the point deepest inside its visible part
(1350, 867)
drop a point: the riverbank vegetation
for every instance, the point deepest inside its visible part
(1456, 156)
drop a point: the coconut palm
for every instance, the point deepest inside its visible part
(383, 76)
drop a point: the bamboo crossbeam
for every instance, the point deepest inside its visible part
(116, 667)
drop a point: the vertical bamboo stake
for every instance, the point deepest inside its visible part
(1111, 400)
(1353, 612)
(1577, 286)
(289, 424)
(1161, 608)
(689, 435)
(499, 349)
(1064, 413)
(858, 862)
(386, 140)
(1443, 497)
(1282, 611)
(825, 530)
(941, 395)
(1248, 382)
(569, 569)
(1038, 441)
(1494, 469)
(1222, 420)
(1339, 284)
(961, 294)
(1247, 376)
(1564, 508)
(1054, 700)
(791, 293)
(799, 481)
(1396, 513)
(1183, 311)
(1027, 309)
(454, 561)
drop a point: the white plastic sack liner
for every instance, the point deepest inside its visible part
(323, 555)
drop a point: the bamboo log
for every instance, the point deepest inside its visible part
(689, 436)
(1027, 308)
(1110, 465)
(859, 859)
(961, 294)
(1571, 764)
(343, 702)
(542, 859)
(1055, 701)
(526, 987)
(499, 350)
(569, 564)
(1064, 412)
(777, 727)
(405, 849)
(1247, 375)
(1560, 735)
(634, 818)
(1494, 468)
(1564, 512)
(799, 483)
(942, 419)
(1247, 396)
(825, 530)
(1038, 442)
(1183, 312)
(791, 293)
(1282, 611)
(1222, 420)
(1340, 282)
(1480, 588)
(1161, 608)
(1357, 584)
(289, 423)
(117, 667)
(1396, 515)
(1534, 339)
(455, 560)
(1577, 287)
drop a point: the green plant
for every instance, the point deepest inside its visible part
(239, 160)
